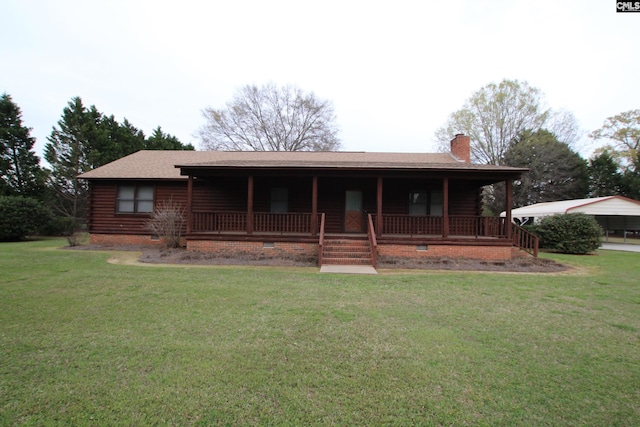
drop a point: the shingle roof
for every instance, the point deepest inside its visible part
(158, 164)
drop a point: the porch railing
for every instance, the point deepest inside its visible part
(282, 223)
(392, 225)
(263, 222)
(477, 226)
(411, 225)
(525, 240)
(219, 221)
(467, 226)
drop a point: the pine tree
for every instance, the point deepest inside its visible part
(555, 172)
(604, 177)
(163, 141)
(20, 171)
(69, 152)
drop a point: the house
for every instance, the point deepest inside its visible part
(336, 207)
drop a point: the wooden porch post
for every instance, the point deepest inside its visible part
(189, 204)
(445, 207)
(379, 221)
(314, 206)
(250, 204)
(509, 203)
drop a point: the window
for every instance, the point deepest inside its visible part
(418, 203)
(423, 203)
(135, 199)
(279, 200)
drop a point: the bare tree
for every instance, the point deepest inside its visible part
(168, 222)
(271, 118)
(496, 114)
(624, 131)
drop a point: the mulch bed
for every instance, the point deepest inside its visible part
(159, 255)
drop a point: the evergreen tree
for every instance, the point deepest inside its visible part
(86, 139)
(555, 171)
(20, 171)
(116, 141)
(69, 152)
(163, 141)
(630, 186)
(604, 177)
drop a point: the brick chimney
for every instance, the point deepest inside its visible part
(461, 148)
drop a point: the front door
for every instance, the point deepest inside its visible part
(353, 211)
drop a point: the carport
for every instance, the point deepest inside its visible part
(613, 213)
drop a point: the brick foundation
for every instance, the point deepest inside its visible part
(446, 251)
(280, 250)
(122, 239)
(309, 251)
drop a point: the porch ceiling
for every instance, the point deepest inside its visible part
(478, 176)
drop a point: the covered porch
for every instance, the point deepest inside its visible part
(303, 207)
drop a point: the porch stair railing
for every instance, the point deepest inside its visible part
(371, 234)
(321, 240)
(525, 240)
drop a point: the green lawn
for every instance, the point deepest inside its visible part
(85, 342)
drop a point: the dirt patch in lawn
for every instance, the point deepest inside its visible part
(180, 256)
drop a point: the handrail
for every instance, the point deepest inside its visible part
(371, 232)
(321, 240)
(525, 240)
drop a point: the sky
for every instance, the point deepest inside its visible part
(394, 70)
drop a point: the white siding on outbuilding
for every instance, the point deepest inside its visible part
(612, 212)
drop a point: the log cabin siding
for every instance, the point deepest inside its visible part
(220, 194)
(103, 217)
(464, 200)
(229, 194)
(299, 190)
(395, 193)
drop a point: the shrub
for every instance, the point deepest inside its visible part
(575, 233)
(167, 222)
(21, 217)
(60, 226)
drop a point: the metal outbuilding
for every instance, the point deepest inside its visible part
(613, 213)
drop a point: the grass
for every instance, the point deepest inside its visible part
(86, 342)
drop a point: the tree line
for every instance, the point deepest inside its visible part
(83, 139)
(509, 124)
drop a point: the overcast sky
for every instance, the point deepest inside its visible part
(394, 70)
